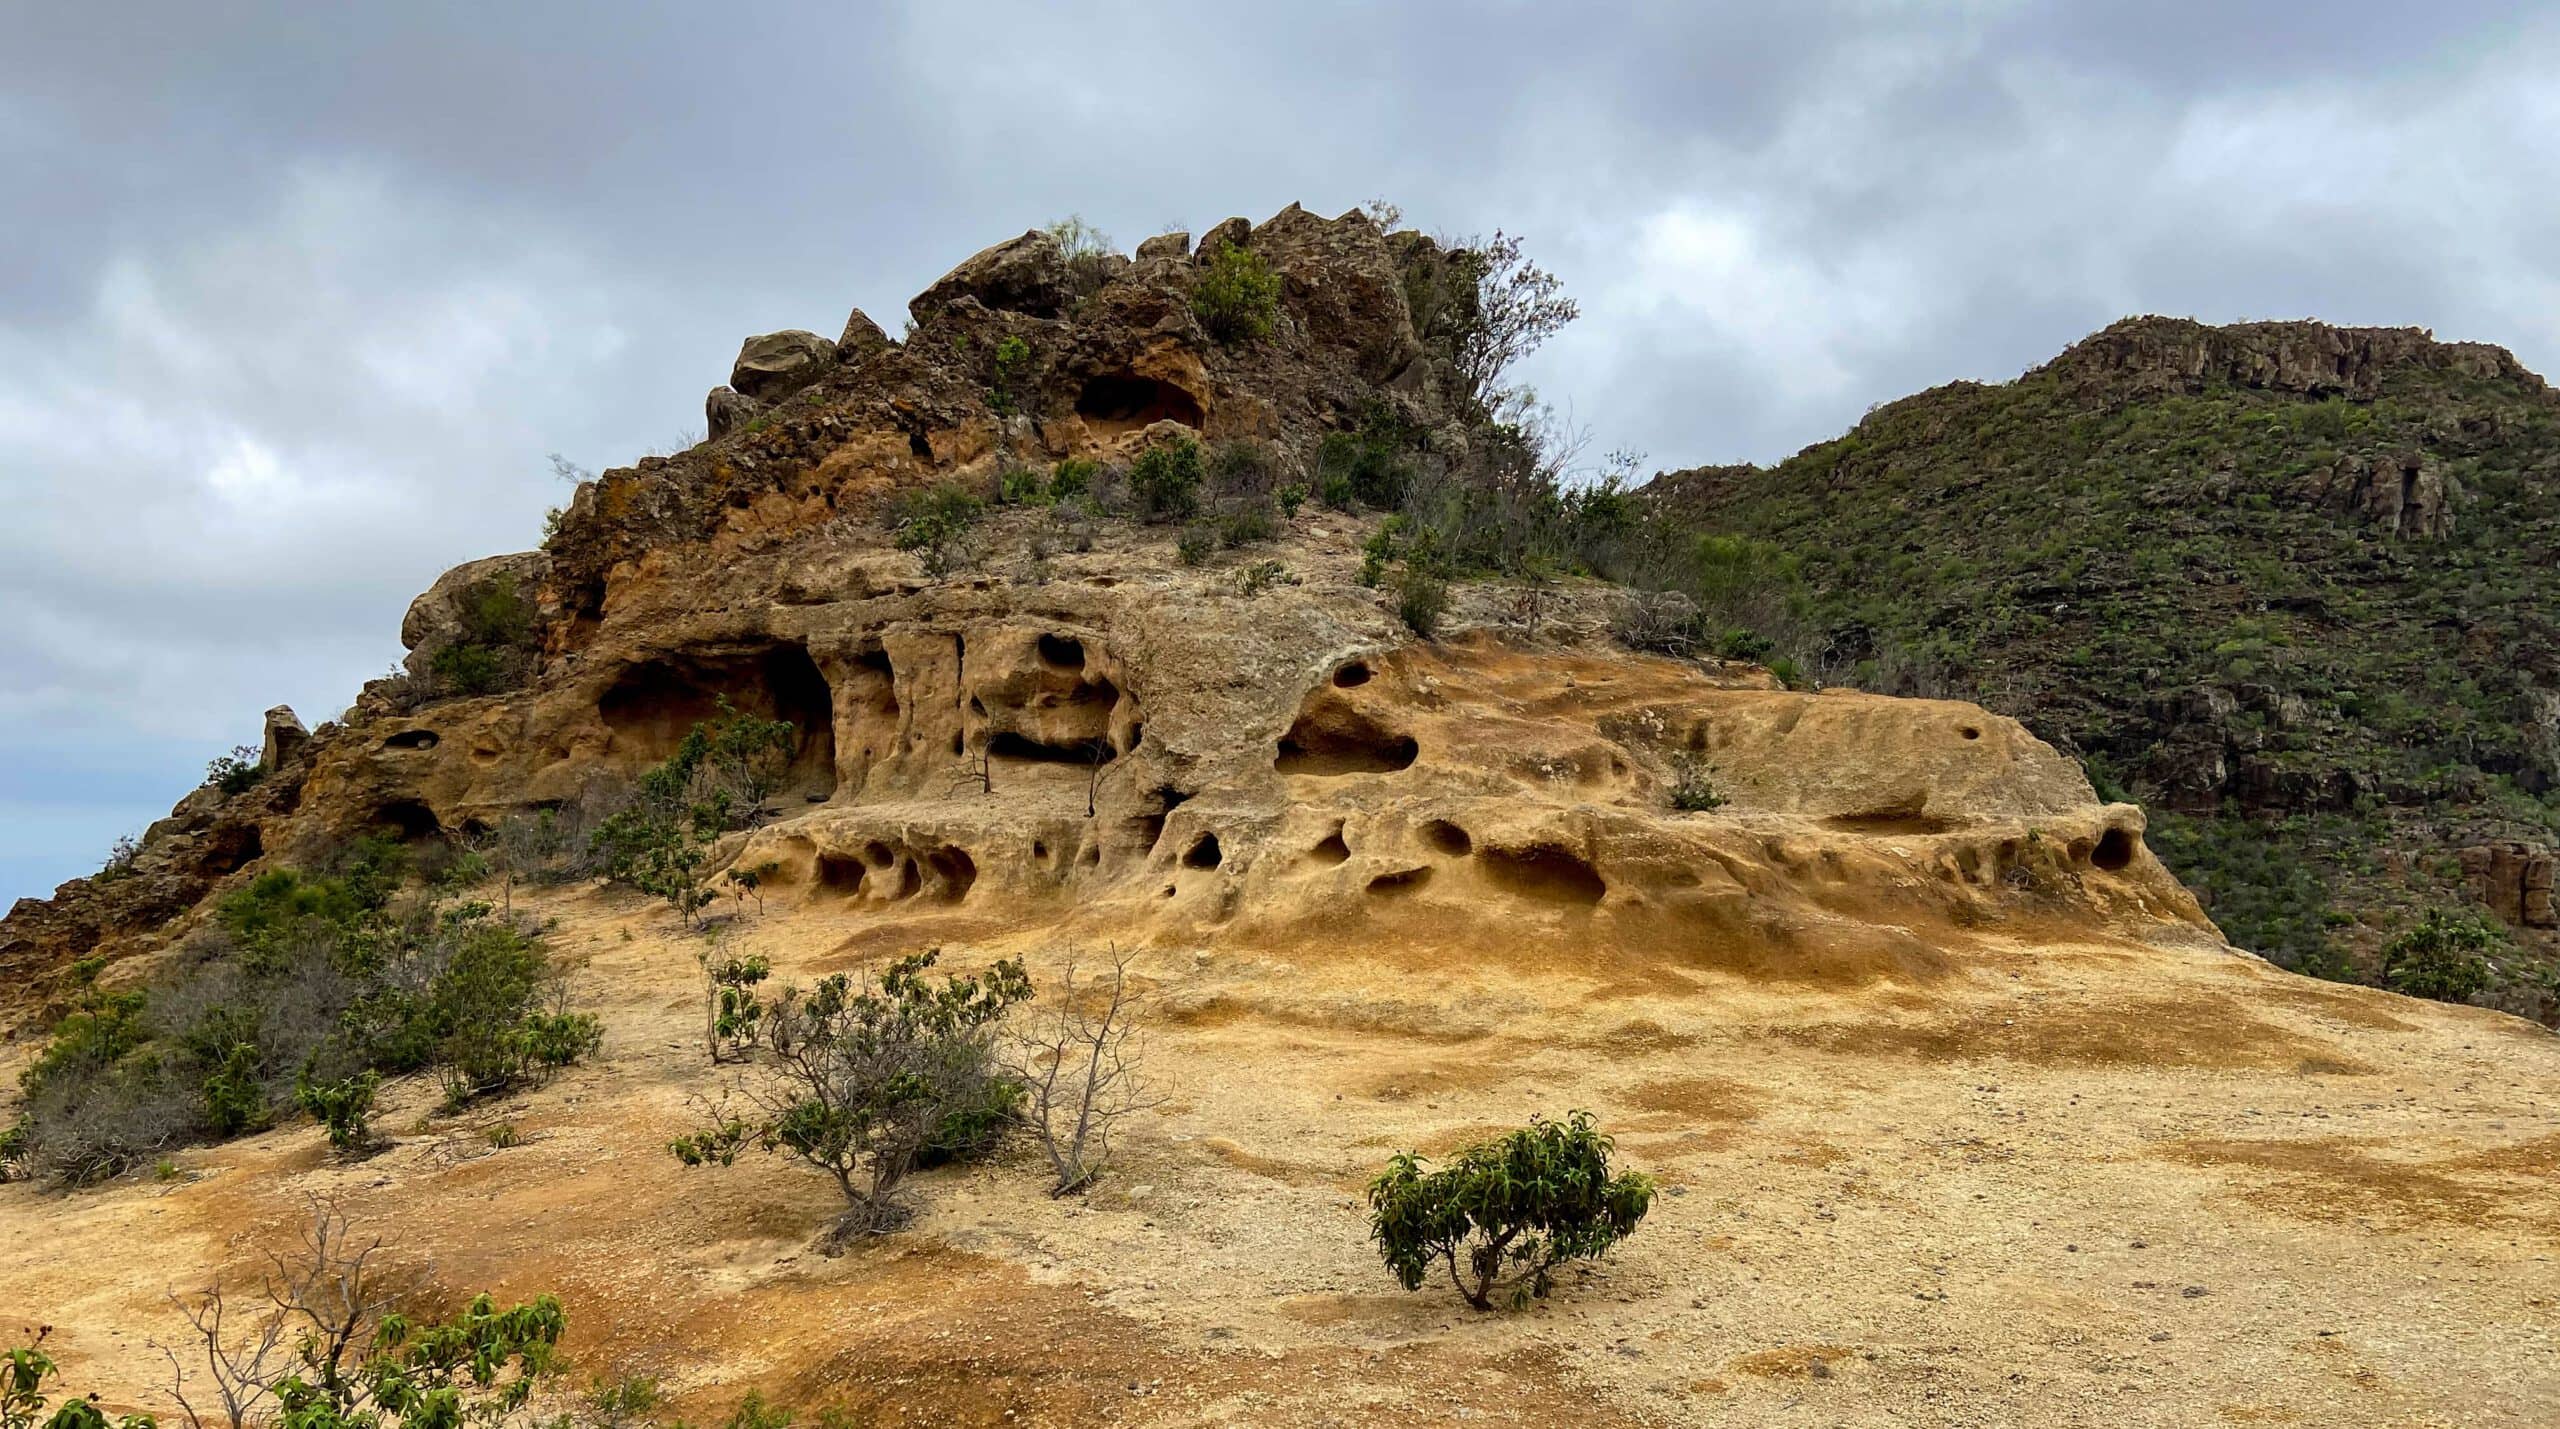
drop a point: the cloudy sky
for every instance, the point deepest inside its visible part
(295, 300)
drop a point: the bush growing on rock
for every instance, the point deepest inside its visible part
(2446, 957)
(936, 523)
(1237, 298)
(1504, 1214)
(1166, 480)
(236, 772)
(862, 1080)
(1692, 789)
(494, 647)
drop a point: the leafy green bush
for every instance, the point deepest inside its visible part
(718, 779)
(1422, 598)
(236, 772)
(1237, 298)
(1195, 545)
(303, 988)
(864, 1080)
(1166, 480)
(1503, 1214)
(1693, 787)
(494, 647)
(23, 1398)
(2445, 957)
(1291, 498)
(1372, 465)
(936, 523)
(343, 1106)
(1018, 485)
(732, 1014)
(1072, 476)
(1012, 370)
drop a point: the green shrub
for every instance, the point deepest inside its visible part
(1291, 498)
(1503, 1214)
(1371, 465)
(236, 772)
(1422, 598)
(2446, 957)
(935, 522)
(1072, 477)
(1018, 485)
(1237, 298)
(301, 989)
(732, 1014)
(23, 1398)
(1245, 524)
(1166, 480)
(493, 648)
(344, 1106)
(1012, 369)
(1693, 787)
(1195, 545)
(863, 1079)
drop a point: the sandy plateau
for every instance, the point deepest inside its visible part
(2091, 1182)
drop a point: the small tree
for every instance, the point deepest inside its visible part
(732, 1015)
(236, 772)
(1513, 1209)
(862, 1079)
(1238, 298)
(2446, 957)
(344, 1106)
(1077, 1061)
(1693, 785)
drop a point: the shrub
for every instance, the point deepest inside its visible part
(1076, 1066)
(1238, 297)
(302, 989)
(344, 1106)
(1018, 485)
(1505, 1213)
(935, 522)
(732, 1015)
(1422, 598)
(1012, 368)
(718, 779)
(1195, 545)
(1072, 476)
(492, 650)
(1245, 524)
(1166, 479)
(1089, 253)
(236, 772)
(863, 1079)
(1693, 787)
(1371, 465)
(1291, 498)
(1261, 576)
(2446, 957)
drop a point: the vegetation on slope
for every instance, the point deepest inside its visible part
(2311, 624)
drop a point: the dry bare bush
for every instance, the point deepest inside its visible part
(1077, 1059)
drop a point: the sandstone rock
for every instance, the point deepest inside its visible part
(2514, 880)
(284, 734)
(776, 364)
(435, 619)
(726, 410)
(1165, 246)
(862, 338)
(1233, 233)
(1027, 275)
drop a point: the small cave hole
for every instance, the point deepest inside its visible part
(1970, 732)
(1203, 853)
(1148, 828)
(1039, 848)
(842, 873)
(231, 848)
(920, 446)
(1398, 884)
(413, 739)
(1335, 739)
(1351, 676)
(1545, 873)
(1009, 745)
(2114, 850)
(1058, 652)
(1447, 838)
(1332, 850)
(1169, 798)
(408, 820)
(1112, 403)
(954, 872)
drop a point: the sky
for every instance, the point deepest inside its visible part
(295, 301)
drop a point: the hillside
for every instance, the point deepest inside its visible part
(1187, 615)
(2291, 586)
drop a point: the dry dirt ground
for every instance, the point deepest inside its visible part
(2074, 1184)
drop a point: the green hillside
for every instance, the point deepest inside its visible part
(2291, 586)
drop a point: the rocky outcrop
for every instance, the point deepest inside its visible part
(284, 734)
(777, 364)
(439, 617)
(2514, 880)
(2147, 356)
(2407, 496)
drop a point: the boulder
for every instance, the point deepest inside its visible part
(1020, 275)
(284, 735)
(1234, 233)
(862, 338)
(726, 410)
(775, 364)
(435, 618)
(2514, 880)
(1176, 246)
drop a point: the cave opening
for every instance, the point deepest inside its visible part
(1112, 403)
(651, 706)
